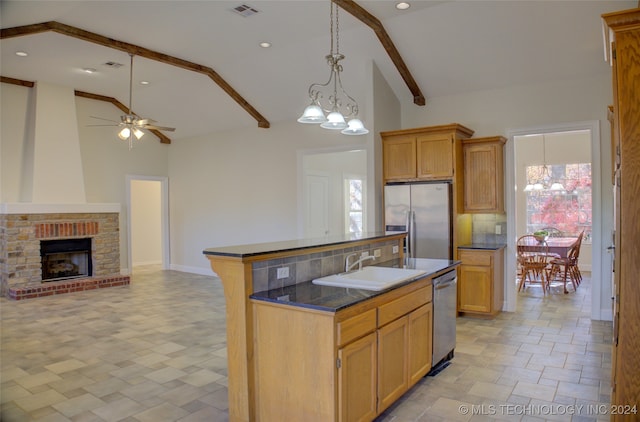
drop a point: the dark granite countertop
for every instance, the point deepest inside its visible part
(290, 245)
(485, 246)
(333, 299)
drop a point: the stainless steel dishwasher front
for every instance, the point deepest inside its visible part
(444, 320)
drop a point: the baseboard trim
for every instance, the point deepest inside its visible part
(194, 270)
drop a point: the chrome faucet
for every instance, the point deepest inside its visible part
(359, 262)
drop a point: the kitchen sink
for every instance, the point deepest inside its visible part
(370, 278)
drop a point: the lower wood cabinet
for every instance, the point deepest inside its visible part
(480, 281)
(357, 380)
(346, 366)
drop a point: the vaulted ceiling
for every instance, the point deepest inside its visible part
(449, 47)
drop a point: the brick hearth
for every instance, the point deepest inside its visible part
(20, 261)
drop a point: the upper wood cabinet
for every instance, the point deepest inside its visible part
(483, 175)
(427, 153)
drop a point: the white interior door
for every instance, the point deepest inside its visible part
(316, 205)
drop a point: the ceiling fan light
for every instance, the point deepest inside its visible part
(124, 133)
(138, 133)
(538, 186)
(335, 121)
(312, 114)
(356, 127)
(557, 186)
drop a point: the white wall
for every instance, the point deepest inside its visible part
(240, 187)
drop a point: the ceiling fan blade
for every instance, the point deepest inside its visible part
(143, 122)
(102, 118)
(168, 129)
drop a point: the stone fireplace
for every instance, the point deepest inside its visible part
(59, 252)
(47, 205)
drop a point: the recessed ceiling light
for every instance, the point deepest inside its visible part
(21, 54)
(403, 5)
(265, 44)
(144, 82)
(88, 70)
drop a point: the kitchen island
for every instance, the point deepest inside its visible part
(245, 269)
(325, 353)
(270, 272)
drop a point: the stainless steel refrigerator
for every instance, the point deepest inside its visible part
(424, 211)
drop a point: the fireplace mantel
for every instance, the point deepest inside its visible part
(35, 208)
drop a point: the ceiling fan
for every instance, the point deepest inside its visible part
(131, 123)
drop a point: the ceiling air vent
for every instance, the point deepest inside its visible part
(245, 10)
(114, 65)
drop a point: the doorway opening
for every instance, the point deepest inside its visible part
(567, 194)
(332, 200)
(148, 234)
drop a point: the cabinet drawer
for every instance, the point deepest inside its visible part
(356, 327)
(474, 258)
(403, 305)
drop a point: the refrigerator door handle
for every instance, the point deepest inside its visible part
(408, 240)
(414, 235)
(411, 234)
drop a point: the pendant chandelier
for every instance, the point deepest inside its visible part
(330, 104)
(543, 181)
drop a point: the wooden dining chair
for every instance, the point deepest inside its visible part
(566, 269)
(533, 259)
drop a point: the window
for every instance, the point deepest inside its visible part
(567, 209)
(354, 205)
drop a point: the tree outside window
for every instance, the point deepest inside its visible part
(569, 209)
(354, 205)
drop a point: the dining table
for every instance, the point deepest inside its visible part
(558, 246)
(561, 245)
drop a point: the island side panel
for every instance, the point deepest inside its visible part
(238, 285)
(295, 364)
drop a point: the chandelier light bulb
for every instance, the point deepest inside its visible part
(313, 114)
(356, 127)
(335, 121)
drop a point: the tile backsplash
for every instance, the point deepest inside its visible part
(484, 228)
(301, 268)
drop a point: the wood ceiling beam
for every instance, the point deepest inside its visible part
(81, 34)
(372, 22)
(163, 138)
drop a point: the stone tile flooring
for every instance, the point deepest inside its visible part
(155, 351)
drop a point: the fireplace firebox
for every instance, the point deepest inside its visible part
(65, 258)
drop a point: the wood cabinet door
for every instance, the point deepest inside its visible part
(474, 288)
(420, 342)
(435, 156)
(399, 158)
(357, 397)
(483, 190)
(392, 362)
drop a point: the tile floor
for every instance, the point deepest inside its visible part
(155, 351)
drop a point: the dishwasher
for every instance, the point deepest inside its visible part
(445, 293)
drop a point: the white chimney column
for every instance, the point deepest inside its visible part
(53, 163)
